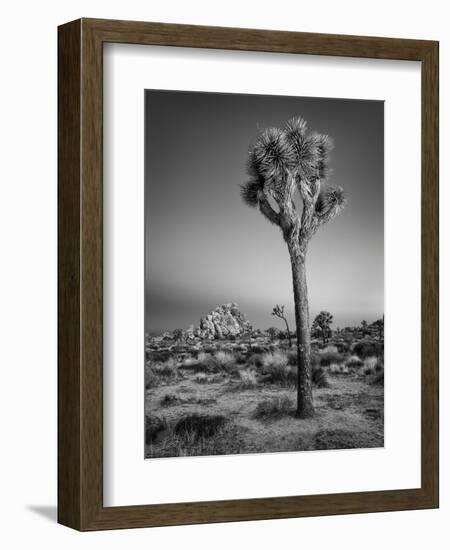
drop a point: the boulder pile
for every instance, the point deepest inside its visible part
(224, 321)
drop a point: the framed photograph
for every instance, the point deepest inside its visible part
(248, 274)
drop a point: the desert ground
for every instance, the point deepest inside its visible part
(238, 395)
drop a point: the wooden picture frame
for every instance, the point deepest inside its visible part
(80, 271)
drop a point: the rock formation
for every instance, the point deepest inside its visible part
(223, 322)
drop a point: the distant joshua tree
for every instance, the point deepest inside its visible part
(322, 324)
(364, 327)
(178, 335)
(279, 312)
(273, 332)
(280, 162)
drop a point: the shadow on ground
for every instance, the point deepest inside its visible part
(47, 512)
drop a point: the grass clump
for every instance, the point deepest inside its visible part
(354, 362)
(339, 369)
(166, 370)
(283, 376)
(153, 426)
(201, 378)
(160, 356)
(224, 359)
(152, 380)
(274, 359)
(196, 426)
(370, 365)
(365, 349)
(330, 355)
(247, 380)
(201, 364)
(274, 408)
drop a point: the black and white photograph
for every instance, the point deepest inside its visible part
(264, 274)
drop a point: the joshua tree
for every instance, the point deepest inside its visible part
(323, 322)
(178, 335)
(364, 327)
(273, 332)
(279, 312)
(280, 162)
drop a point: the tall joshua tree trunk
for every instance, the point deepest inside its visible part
(281, 162)
(305, 407)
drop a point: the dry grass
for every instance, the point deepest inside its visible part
(199, 425)
(354, 362)
(274, 408)
(257, 399)
(329, 356)
(247, 380)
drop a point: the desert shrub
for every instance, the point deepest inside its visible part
(224, 358)
(273, 333)
(152, 380)
(319, 377)
(285, 376)
(203, 363)
(274, 359)
(247, 380)
(169, 399)
(161, 356)
(199, 425)
(153, 426)
(339, 369)
(354, 362)
(343, 347)
(276, 369)
(201, 378)
(225, 361)
(368, 348)
(255, 348)
(274, 408)
(167, 369)
(370, 364)
(330, 355)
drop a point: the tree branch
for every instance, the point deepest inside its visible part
(328, 216)
(309, 192)
(267, 210)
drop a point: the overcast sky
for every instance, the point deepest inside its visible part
(205, 247)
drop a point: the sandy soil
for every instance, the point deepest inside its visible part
(349, 414)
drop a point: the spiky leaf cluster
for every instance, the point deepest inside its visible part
(277, 153)
(330, 202)
(283, 160)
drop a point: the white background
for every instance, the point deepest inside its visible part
(28, 274)
(128, 479)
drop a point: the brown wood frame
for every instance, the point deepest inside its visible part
(80, 402)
